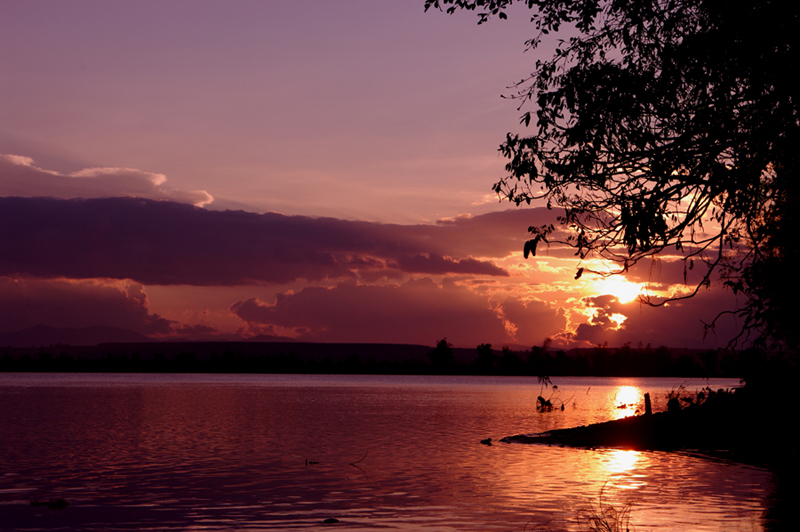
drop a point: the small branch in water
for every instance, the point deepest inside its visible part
(362, 458)
(357, 461)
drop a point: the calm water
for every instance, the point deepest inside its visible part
(222, 452)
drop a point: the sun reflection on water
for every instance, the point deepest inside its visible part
(628, 401)
(622, 461)
(625, 469)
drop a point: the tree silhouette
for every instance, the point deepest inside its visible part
(442, 357)
(670, 128)
(486, 358)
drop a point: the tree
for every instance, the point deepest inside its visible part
(511, 363)
(667, 127)
(442, 356)
(486, 358)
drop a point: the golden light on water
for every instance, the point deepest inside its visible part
(627, 400)
(620, 461)
(624, 469)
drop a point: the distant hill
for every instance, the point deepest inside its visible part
(270, 338)
(43, 335)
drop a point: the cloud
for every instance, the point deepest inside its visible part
(69, 303)
(665, 272)
(443, 265)
(22, 178)
(168, 243)
(197, 329)
(680, 323)
(417, 311)
(533, 320)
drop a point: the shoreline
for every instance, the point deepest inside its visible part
(731, 428)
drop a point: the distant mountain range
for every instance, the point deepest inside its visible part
(43, 335)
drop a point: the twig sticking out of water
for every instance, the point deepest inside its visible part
(357, 461)
(362, 459)
(606, 518)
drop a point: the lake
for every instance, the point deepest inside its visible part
(286, 452)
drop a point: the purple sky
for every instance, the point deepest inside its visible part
(356, 142)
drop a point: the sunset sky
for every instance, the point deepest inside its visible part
(308, 169)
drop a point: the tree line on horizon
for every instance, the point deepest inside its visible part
(603, 361)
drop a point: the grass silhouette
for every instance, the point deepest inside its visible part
(598, 517)
(604, 517)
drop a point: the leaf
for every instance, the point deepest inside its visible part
(530, 247)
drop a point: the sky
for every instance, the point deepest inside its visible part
(312, 170)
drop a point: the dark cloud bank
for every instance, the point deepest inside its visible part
(62, 256)
(167, 243)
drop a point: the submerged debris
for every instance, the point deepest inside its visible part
(53, 504)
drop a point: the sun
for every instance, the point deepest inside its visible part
(619, 287)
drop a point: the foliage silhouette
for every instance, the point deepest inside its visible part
(667, 126)
(254, 357)
(486, 358)
(442, 356)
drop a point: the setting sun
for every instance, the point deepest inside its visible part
(619, 287)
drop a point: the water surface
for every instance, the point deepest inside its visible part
(265, 452)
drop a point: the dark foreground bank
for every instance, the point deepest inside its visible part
(741, 424)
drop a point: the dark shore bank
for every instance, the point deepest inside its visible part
(738, 424)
